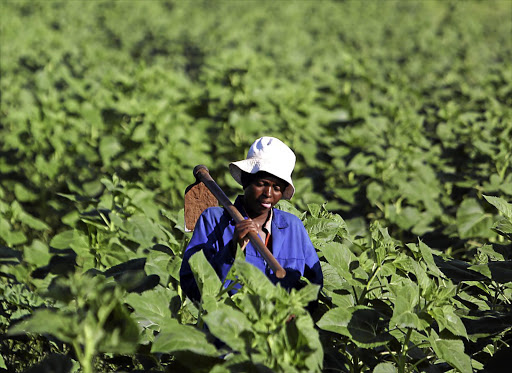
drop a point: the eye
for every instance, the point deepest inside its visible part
(277, 188)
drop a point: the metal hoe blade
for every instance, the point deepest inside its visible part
(197, 199)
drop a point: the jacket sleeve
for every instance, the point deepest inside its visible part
(312, 267)
(298, 255)
(208, 237)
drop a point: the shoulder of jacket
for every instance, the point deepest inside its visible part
(216, 212)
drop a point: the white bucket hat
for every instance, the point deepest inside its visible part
(270, 155)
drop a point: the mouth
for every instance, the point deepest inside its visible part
(266, 205)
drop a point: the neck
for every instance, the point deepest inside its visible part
(254, 216)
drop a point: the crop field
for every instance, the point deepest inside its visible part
(399, 112)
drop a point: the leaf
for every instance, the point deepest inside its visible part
(406, 296)
(152, 307)
(121, 333)
(408, 217)
(286, 206)
(504, 228)
(472, 221)
(37, 253)
(253, 279)
(416, 267)
(347, 194)
(314, 209)
(66, 239)
(340, 257)
(206, 278)
(385, 368)
(142, 230)
(10, 237)
(132, 277)
(74, 198)
(363, 325)
(489, 251)
(28, 219)
(23, 194)
(174, 267)
(447, 319)
(324, 229)
(503, 206)
(503, 225)
(158, 263)
(332, 279)
(304, 341)
(368, 328)
(451, 351)
(307, 294)
(109, 147)
(363, 164)
(230, 326)
(426, 253)
(47, 321)
(176, 337)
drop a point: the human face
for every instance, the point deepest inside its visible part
(262, 193)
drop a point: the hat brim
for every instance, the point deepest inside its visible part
(254, 165)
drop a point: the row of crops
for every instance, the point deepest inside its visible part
(400, 113)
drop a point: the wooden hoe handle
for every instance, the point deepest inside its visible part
(202, 174)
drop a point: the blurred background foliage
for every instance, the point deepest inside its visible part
(400, 113)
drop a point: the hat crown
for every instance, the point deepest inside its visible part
(270, 155)
(272, 148)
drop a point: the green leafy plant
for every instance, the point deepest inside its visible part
(88, 314)
(261, 327)
(400, 117)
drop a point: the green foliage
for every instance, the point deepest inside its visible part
(261, 325)
(89, 315)
(400, 116)
(384, 305)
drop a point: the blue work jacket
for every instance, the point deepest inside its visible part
(291, 246)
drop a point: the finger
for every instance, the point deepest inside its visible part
(243, 228)
(246, 223)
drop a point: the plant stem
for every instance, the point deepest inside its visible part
(366, 290)
(85, 357)
(403, 353)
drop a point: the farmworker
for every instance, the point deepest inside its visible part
(265, 176)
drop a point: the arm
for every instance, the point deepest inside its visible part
(313, 270)
(296, 251)
(312, 267)
(211, 235)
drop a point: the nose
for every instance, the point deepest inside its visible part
(267, 190)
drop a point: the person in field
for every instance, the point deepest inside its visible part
(265, 176)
